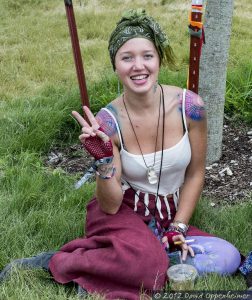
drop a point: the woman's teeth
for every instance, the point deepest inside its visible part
(139, 77)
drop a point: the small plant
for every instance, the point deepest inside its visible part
(239, 93)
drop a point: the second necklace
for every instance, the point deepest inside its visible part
(151, 173)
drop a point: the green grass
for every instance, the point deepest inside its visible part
(239, 93)
(39, 208)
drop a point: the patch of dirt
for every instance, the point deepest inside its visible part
(227, 181)
(230, 179)
(73, 160)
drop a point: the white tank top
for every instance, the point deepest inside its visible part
(175, 162)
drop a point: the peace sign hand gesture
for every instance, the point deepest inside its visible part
(93, 138)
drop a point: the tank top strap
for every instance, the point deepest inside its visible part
(117, 125)
(184, 109)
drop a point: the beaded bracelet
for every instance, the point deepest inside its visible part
(179, 227)
(107, 176)
(103, 161)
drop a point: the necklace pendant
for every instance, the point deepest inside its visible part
(151, 175)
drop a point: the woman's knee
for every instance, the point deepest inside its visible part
(231, 258)
(216, 255)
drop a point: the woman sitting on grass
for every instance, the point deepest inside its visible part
(149, 146)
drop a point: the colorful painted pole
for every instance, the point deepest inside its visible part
(196, 31)
(76, 52)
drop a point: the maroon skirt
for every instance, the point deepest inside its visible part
(119, 257)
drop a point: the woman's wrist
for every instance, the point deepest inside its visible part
(105, 161)
(106, 171)
(104, 167)
(178, 226)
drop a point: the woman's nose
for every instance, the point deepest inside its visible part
(138, 65)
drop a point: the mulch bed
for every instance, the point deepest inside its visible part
(228, 181)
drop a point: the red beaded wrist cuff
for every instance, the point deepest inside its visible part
(170, 235)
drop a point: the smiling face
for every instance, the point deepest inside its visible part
(137, 65)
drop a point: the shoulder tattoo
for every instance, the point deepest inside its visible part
(105, 121)
(194, 106)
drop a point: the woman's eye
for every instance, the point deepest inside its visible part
(127, 58)
(148, 56)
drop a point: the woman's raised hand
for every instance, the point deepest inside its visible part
(93, 138)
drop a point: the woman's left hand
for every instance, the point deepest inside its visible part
(184, 246)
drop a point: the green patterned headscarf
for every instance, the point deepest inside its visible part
(135, 23)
